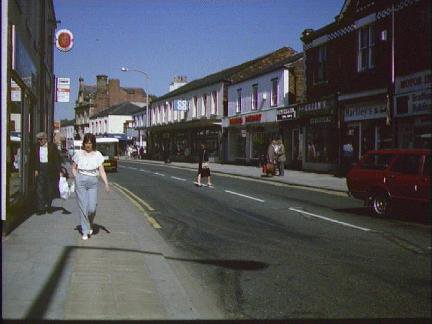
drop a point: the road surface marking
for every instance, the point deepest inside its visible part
(181, 179)
(161, 174)
(331, 220)
(239, 194)
(150, 208)
(150, 219)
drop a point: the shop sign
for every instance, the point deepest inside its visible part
(321, 120)
(243, 133)
(64, 40)
(253, 118)
(413, 82)
(323, 107)
(236, 121)
(15, 91)
(415, 103)
(371, 110)
(286, 113)
(62, 89)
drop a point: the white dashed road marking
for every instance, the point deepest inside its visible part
(241, 195)
(160, 174)
(181, 179)
(331, 220)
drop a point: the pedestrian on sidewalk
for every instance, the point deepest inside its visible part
(203, 167)
(271, 158)
(141, 152)
(46, 163)
(87, 166)
(281, 157)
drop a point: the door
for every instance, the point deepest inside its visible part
(404, 177)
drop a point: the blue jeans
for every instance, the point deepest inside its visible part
(86, 191)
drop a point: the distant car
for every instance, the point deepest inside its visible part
(388, 178)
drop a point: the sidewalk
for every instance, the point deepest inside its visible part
(292, 177)
(121, 272)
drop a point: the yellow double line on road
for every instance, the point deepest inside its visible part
(139, 203)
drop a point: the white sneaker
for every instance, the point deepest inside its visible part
(85, 237)
(90, 232)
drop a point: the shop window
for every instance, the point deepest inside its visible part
(259, 144)
(320, 145)
(14, 149)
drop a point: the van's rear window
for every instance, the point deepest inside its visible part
(377, 161)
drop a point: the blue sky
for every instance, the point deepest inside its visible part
(176, 37)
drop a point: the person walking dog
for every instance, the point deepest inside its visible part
(203, 167)
(46, 165)
(87, 166)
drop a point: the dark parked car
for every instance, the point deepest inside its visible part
(385, 179)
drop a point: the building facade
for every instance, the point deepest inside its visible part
(93, 99)
(261, 107)
(369, 42)
(28, 101)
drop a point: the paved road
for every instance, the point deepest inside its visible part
(269, 250)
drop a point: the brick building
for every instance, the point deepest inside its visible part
(351, 68)
(93, 99)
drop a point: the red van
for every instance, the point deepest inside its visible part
(390, 178)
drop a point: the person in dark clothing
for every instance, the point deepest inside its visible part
(141, 153)
(46, 164)
(203, 167)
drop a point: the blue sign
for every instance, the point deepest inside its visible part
(180, 105)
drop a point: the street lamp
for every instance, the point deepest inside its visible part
(125, 69)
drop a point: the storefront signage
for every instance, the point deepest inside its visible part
(253, 118)
(15, 91)
(371, 110)
(285, 113)
(414, 103)
(323, 107)
(62, 89)
(64, 40)
(413, 82)
(236, 121)
(321, 120)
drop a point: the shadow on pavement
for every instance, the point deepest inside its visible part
(43, 300)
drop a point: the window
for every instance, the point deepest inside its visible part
(366, 48)
(377, 161)
(213, 103)
(194, 107)
(204, 106)
(239, 101)
(274, 93)
(320, 74)
(407, 164)
(255, 97)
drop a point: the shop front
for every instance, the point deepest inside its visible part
(319, 142)
(249, 136)
(413, 109)
(289, 129)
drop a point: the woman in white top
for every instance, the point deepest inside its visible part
(87, 165)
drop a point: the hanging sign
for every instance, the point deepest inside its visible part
(64, 40)
(62, 89)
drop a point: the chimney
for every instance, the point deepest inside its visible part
(178, 81)
(101, 85)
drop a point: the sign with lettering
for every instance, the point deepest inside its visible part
(62, 89)
(180, 105)
(321, 120)
(414, 103)
(236, 121)
(413, 82)
(363, 111)
(253, 118)
(323, 107)
(286, 113)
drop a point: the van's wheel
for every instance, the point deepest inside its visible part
(380, 204)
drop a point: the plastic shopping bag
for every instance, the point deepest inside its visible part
(64, 188)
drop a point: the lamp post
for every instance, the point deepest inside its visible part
(125, 69)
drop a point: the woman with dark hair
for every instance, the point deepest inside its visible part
(87, 166)
(203, 167)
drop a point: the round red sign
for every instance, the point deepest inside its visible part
(64, 40)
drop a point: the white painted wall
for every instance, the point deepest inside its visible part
(115, 123)
(264, 86)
